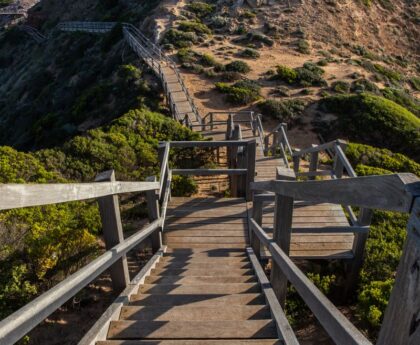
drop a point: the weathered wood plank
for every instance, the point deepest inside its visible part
(27, 195)
(382, 192)
(208, 172)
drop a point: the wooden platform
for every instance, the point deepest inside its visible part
(314, 245)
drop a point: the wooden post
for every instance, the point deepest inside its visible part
(266, 145)
(211, 121)
(229, 127)
(359, 244)
(234, 159)
(161, 155)
(257, 214)
(313, 164)
(296, 163)
(401, 324)
(251, 156)
(338, 164)
(276, 139)
(282, 232)
(109, 209)
(153, 212)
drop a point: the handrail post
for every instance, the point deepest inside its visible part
(401, 322)
(234, 161)
(276, 139)
(152, 198)
(211, 121)
(266, 145)
(257, 215)
(338, 164)
(109, 209)
(282, 232)
(251, 153)
(296, 163)
(313, 163)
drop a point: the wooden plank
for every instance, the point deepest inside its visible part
(284, 330)
(176, 240)
(205, 233)
(222, 143)
(191, 222)
(203, 227)
(208, 172)
(109, 209)
(28, 195)
(282, 231)
(382, 192)
(208, 289)
(401, 322)
(193, 342)
(210, 213)
(243, 329)
(196, 313)
(199, 280)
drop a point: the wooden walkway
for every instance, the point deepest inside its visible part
(204, 289)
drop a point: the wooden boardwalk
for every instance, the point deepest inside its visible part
(204, 290)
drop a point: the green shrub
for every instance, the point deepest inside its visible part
(285, 111)
(186, 55)
(230, 76)
(415, 83)
(183, 186)
(303, 46)
(200, 9)
(340, 86)
(310, 75)
(364, 85)
(249, 53)
(402, 98)
(366, 155)
(241, 93)
(377, 121)
(238, 66)
(193, 26)
(388, 73)
(286, 74)
(180, 39)
(255, 38)
(208, 60)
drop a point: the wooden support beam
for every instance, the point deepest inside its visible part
(257, 215)
(313, 163)
(296, 163)
(251, 154)
(109, 209)
(282, 233)
(401, 324)
(153, 212)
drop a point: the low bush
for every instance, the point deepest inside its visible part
(364, 85)
(249, 53)
(340, 86)
(307, 75)
(241, 93)
(375, 120)
(180, 39)
(285, 111)
(238, 66)
(391, 75)
(194, 26)
(200, 9)
(255, 38)
(303, 46)
(403, 98)
(415, 83)
(230, 76)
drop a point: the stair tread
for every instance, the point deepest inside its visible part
(192, 329)
(185, 313)
(198, 299)
(171, 289)
(193, 342)
(209, 264)
(199, 279)
(201, 272)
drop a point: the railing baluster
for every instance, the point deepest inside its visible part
(109, 209)
(153, 212)
(313, 163)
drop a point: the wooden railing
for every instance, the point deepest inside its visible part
(277, 141)
(147, 50)
(241, 162)
(399, 192)
(106, 190)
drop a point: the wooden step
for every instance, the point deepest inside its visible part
(203, 259)
(203, 265)
(242, 246)
(206, 252)
(193, 342)
(199, 280)
(181, 289)
(196, 313)
(201, 272)
(249, 329)
(205, 239)
(198, 299)
(175, 232)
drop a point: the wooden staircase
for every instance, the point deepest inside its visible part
(204, 289)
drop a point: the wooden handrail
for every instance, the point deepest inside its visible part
(318, 148)
(341, 330)
(221, 143)
(28, 195)
(164, 168)
(388, 192)
(15, 326)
